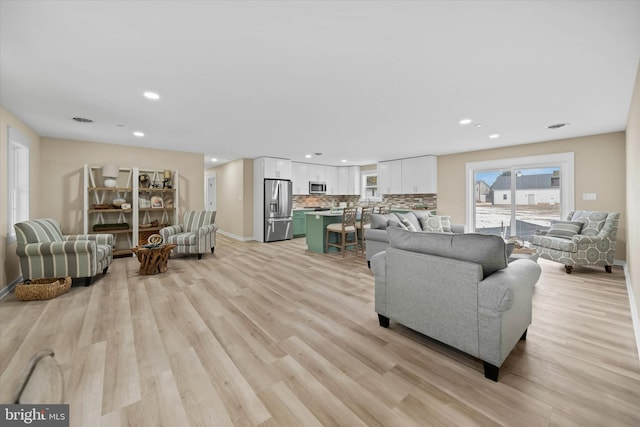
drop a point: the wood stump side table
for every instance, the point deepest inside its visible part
(153, 260)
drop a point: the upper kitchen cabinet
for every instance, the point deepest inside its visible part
(317, 173)
(390, 177)
(274, 168)
(300, 174)
(349, 180)
(420, 175)
(331, 178)
(415, 175)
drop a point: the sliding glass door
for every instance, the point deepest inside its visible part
(518, 200)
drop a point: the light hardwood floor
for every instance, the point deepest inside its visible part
(271, 335)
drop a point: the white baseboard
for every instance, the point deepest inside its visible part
(7, 289)
(234, 236)
(635, 316)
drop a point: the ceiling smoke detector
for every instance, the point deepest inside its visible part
(82, 120)
(557, 126)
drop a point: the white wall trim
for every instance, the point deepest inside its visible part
(235, 236)
(7, 289)
(635, 316)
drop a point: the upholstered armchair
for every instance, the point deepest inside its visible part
(196, 234)
(45, 252)
(586, 238)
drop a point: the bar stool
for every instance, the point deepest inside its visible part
(362, 225)
(344, 228)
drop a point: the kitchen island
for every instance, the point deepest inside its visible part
(317, 230)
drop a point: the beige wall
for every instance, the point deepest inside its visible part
(599, 163)
(633, 194)
(234, 198)
(62, 184)
(9, 266)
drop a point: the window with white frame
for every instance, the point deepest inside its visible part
(17, 180)
(369, 190)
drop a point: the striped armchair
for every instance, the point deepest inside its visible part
(45, 252)
(196, 234)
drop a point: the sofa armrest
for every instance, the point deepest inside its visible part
(580, 239)
(376, 234)
(100, 239)
(497, 292)
(56, 248)
(379, 264)
(458, 228)
(207, 229)
(171, 230)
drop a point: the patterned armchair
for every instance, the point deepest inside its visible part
(586, 238)
(196, 234)
(45, 252)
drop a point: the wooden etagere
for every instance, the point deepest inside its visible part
(156, 203)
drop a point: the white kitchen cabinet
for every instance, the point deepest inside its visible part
(390, 177)
(419, 175)
(331, 178)
(275, 168)
(300, 178)
(349, 180)
(317, 173)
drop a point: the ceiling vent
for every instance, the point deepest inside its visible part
(557, 126)
(82, 120)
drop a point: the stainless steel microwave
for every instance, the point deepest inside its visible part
(316, 187)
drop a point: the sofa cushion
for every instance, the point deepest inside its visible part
(411, 218)
(408, 224)
(432, 224)
(564, 229)
(381, 221)
(488, 251)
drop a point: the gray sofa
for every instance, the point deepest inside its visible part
(459, 289)
(376, 239)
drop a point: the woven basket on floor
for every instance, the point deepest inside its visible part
(40, 289)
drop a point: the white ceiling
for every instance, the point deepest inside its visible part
(356, 80)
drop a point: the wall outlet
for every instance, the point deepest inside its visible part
(588, 196)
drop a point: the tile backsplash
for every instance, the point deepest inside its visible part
(397, 201)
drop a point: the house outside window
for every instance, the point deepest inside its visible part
(17, 180)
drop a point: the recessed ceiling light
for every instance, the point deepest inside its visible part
(494, 136)
(151, 95)
(318, 154)
(138, 134)
(82, 120)
(557, 126)
(213, 159)
(343, 161)
(308, 156)
(465, 121)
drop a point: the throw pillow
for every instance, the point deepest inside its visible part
(381, 221)
(432, 224)
(445, 220)
(409, 226)
(397, 224)
(565, 229)
(409, 216)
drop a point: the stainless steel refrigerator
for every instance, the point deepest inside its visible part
(278, 209)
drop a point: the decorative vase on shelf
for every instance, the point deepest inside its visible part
(110, 173)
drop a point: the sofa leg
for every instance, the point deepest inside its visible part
(212, 249)
(87, 281)
(568, 268)
(104, 271)
(490, 371)
(383, 320)
(369, 264)
(199, 256)
(607, 268)
(524, 336)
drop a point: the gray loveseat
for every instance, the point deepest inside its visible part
(458, 289)
(376, 239)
